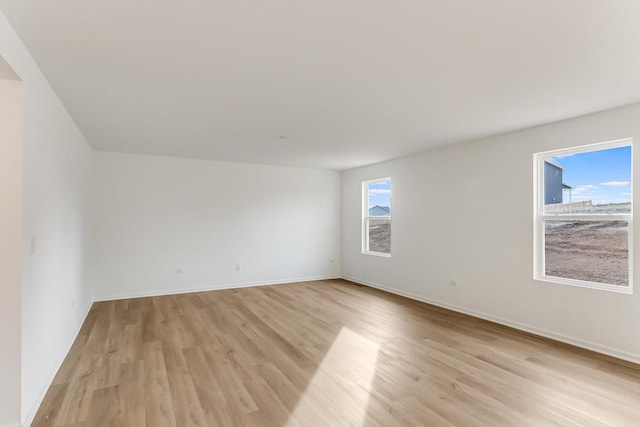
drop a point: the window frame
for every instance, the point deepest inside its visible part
(540, 217)
(366, 218)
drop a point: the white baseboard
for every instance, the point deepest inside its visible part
(144, 294)
(52, 375)
(11, 425)
(609, 351)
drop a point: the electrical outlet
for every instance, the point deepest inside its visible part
(453, 283)
(237, 267)
(179, 271)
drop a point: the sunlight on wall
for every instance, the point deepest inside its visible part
(342, 383)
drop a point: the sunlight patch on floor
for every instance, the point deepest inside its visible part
(338, 393)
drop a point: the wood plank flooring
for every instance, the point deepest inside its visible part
(326, 353)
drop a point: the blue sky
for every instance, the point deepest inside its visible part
(380, 194)
(602, 176)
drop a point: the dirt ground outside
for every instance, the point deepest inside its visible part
(595, 251)
(380, 236)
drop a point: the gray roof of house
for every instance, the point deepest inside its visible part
(379, 210)
(552, 162)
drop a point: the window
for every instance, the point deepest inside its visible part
(583, 216)
(376, 214)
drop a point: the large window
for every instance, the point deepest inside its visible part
(583, 216)
(376, 236)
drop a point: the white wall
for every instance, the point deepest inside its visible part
(11, 113)
(57, 183)
(465, 213)
(155, 215)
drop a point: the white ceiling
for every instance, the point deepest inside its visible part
(331, 84)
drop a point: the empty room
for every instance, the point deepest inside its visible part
(319, 213)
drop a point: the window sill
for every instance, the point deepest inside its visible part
(380, 254)
(584, 284)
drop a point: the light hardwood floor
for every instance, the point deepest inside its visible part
(326, 353)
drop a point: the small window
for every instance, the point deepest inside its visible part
(376, 236)
(583, 216)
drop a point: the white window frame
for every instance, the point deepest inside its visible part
(540, 217)
(366, 217)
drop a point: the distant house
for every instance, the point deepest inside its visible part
(379, 211)
(553, 185)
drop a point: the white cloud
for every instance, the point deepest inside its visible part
(583, 188)
(615, 183)
(626, 194)
(379, 191)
